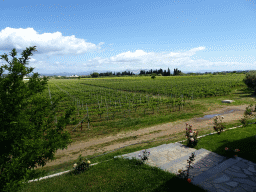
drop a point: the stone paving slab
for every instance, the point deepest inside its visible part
(210, 171)
(182, 162)
(174, 156)
(215, 170)
(232, 175)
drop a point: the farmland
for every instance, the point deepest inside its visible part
(124, 102)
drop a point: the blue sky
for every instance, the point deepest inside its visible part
(115, 35)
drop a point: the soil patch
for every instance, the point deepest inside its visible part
(152, 133)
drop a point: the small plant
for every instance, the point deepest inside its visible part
(191, 136)
(144, 157)
(244, 121)
(182, 173)
(247, 115)
(81, 166)
(248, 111)
(218, 126)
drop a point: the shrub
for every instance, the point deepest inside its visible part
(247, 115)
(153, 76)
(95, 75)
(250, 80)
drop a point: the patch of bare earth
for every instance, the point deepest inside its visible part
(86, 147)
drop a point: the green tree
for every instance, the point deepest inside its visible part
(95, 75)
(168, 72)
(176, 72)
(153, 76)
(27, 138)
(250, 80)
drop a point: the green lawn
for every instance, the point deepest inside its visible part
(126, 175)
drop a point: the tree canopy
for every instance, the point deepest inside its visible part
(27, 138)
(95, 74)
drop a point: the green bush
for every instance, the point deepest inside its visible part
(153, 76)
(250, 80)
(95, 75)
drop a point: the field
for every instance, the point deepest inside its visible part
(111, 104)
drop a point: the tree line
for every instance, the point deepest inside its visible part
(129, 73)
(142, 72)
(148, 73)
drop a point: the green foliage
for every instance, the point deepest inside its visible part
(250, 80)
(153, 76)
(218, 126)
(25, 138)
(95, 75)
(176, 72)
(196, 86)
(247, 115)
(81, 166)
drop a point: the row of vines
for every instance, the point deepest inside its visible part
(118, 98)
(189, 86)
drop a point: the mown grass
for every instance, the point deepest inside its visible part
(127, 175)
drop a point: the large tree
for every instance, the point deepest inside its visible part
(27, 137)
(176, 72)
(95, 74)
(250, 80)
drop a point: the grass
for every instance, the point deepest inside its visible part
(126, 175)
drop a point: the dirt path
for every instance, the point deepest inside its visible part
(86, 147)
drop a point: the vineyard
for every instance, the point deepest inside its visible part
(99, 102)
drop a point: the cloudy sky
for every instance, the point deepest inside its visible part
(115, 35)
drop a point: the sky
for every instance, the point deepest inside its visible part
(118, 35)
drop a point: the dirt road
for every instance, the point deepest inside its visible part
(86, 147)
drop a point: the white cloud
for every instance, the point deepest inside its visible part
(46, 43)
(49, 45)
(136, 54)
(141, 59)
